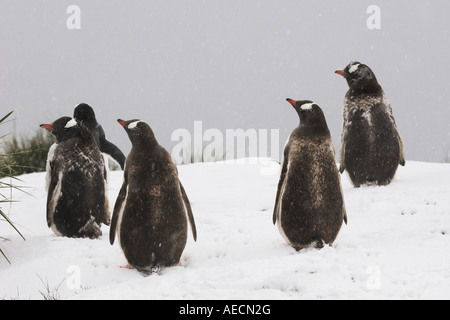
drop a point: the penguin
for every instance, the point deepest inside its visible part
(152, 209)
(371, 148)
(77, 203)
(85, 113)
(309, 207)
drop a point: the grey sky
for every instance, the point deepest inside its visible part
(228, 63)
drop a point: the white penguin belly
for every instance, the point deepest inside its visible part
(120, 215)
(53, 204)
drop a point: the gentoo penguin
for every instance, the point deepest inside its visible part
(84, 113)
(371, 145)
(77, 203)
(309, 207)
(152, 209)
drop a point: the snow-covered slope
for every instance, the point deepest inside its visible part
(396, 244)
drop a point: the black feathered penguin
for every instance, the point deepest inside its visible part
(371, 147)
(309, 207)
(152, 209)
(84, 113)
(77, 203)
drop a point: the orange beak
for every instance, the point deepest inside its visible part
(292, 102)
(47, 127)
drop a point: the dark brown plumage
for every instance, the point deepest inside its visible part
(371, 147)
(309, 207)
(152, 210)
(77, 203)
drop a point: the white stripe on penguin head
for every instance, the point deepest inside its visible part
(354, 67)
(307, 106)
(133, 124)
(70, 124)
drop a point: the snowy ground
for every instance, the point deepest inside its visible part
(396, 244)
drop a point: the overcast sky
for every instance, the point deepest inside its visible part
(230, 64)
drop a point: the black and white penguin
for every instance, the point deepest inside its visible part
(152, 209)
(84, 113)
(309, 207)
(371, 147)
(77, 203)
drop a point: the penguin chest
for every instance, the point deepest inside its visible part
(367, 122)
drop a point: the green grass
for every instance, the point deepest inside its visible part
(7, 170)
(25, 155)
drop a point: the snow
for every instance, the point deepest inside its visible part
(395, 246)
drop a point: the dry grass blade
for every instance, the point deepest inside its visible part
(6, 172)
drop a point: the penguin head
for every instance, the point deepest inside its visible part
(138, 131)
(310, 114)
(84, 113)
(64, 128)
(357, 72)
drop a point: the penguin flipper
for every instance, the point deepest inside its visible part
(189, 211)
(280, 184)
(118, 209)
(112, 150)
(402, 161)
(342, 153)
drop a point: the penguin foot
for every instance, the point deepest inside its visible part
(148, 271)
(129, 267)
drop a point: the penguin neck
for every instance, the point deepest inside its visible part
(149, 142)
(91, 124)
(314, 130)
(365, 86)
(85, 133)
(314, 125)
